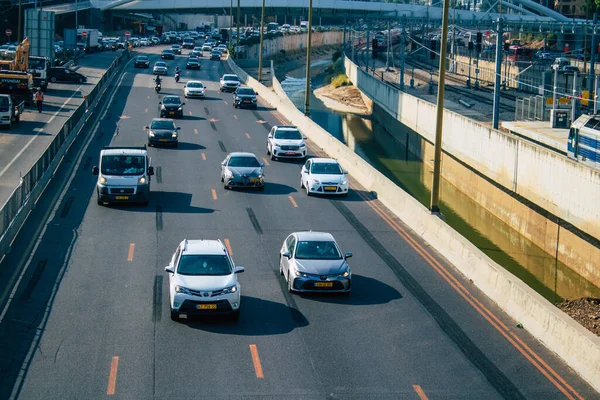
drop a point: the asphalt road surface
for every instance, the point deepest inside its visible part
(84, 307)
(24, 143)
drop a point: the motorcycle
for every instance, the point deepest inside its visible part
(177, 75)
(157, 87)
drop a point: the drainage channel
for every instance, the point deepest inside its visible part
(553, 280)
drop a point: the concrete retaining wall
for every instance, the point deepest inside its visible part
(559, 185)
(294, 42)
(576, 345)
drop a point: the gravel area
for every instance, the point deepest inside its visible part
(586, 311)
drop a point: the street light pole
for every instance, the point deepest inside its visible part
(308, 49)
(19, 28)
(237, 49)
(230, 23)
(437, 160)
(262, 33)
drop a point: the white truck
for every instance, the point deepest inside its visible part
(91, 40)
(123, 175)
(38, 68)
(10, 110)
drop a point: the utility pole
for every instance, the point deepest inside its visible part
(230, 22)
(308, 49)
(262, 33)
(592, 57)
(39, 29)
(389, 44)
(237, 49)
(368, 40)
(76, 17)
(574, 98)
(437, 160)
(19, 28)
(499, 44)
(402, 47)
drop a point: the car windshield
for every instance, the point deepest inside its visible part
(160, 64)
(326, 168)
(37, 63)
(162, 125)
(167, 51)
(171, 100)
(142, 58)
(243, 162)
(195, 85)
(231, 78)
(291, 134)
(317, 250)
(245, 91)
(3, 103)
(201, 264)
(123, 165)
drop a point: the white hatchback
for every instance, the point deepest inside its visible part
(194, 89)
(203, 280)
(323, 176)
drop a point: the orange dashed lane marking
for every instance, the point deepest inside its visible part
(256, 362)
(196, 131)
(247, 135)
(146, 110)
(234, 116)
(190, 112)
(112, 377)
(203, 156)
(420, 392)
(293, 201)
(214, 194)
(131, 250)
(266, 161)
(228, 245)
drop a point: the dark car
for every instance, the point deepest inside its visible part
(62, 74)
(167, 55)
(171, 107)
(215, 55)
(163, 131)
(192, 63)
(244, 97)
(141, 62)
(176, 49)
(195, 53)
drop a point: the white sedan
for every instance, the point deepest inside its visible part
(194, 89)
(160, 68)
(323, 176)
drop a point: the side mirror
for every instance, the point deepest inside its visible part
(95, 171)
(169, 269)
(345, 171)
(160, 102)
(286, 254)
(347, 255)
(183, 104)
(262, 164)
(178, 128)
(150, 171)
(305, 170)
(224, 162)
(256, 93)
(146, 127)
(304, 137)
(239, 270)
(269, 136)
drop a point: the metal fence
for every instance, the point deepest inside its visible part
(531, 109)
(16, 208)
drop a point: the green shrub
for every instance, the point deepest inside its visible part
(340, 80)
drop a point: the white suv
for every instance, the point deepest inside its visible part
(229, 83)
(203, 280)
(285, 142)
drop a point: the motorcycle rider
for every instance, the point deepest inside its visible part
(157, 81)
(177, 73)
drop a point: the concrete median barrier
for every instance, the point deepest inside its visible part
(578, 347)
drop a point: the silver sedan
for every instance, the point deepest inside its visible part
(242, 170)
(313, 262)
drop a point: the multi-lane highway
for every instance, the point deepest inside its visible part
(84, 300)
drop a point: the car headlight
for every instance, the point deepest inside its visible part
(180, 109)
(181, 289)
(142, 180)
(231, 289)
(151, 134)
(254, 100)
(163, 107)
(102, 180)
(276, 145)
(303, 145)
(174, 134)
(344, 274)
(344, 181)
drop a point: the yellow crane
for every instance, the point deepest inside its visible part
(21, 60)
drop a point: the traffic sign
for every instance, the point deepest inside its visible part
(8, 32)
(127, 33)
(84, 34)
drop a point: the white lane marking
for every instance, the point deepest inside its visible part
(37, 134)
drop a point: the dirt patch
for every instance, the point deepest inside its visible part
(586, 311)
(347, 96)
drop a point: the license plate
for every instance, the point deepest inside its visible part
(122, 197)
(331, 188)
(206, 306)
(172, 113)
(323, 284)
(246, 101)
(290, 153)
(163, 140)
(254, 180)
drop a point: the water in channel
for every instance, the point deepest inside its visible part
(552, 279)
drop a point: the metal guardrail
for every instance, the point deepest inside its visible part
(14, 212)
